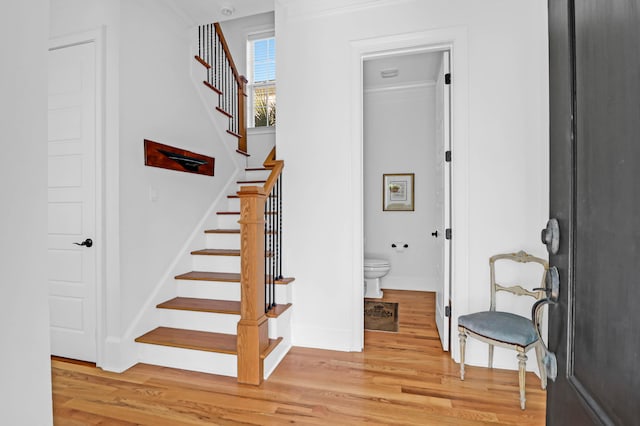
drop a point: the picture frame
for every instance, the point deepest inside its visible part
(398, 192)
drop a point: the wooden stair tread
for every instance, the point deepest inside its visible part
(223, 112)
(241, 152)
(191, 339)
(216, 252)
(202, 61)
(230, 277)
(222, 231)
(233, 196)
(256, 169)
(237, 135)
(212, 87)
(243, 182)
(204, 305)
(273, 343)
(277, 310)
(228, 213)
(199, 340)
(230, 231)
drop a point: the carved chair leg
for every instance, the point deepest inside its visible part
(522, 369)
(463, 340)
(490, 355)
(541, 367)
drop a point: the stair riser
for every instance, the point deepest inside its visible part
(284, 294)
(223, 241)
(256, 174)
(281, 326)
(199, 321)
(228, 221)
(233, 204)
(186, 359)
(216, 263)
(209, 290)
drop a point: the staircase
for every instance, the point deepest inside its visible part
(231, 313)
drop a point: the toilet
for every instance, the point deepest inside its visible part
(374, 270)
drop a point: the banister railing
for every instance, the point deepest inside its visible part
(224, 79)
(260, 264)
(273, 231)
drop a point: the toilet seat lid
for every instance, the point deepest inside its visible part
(375, 262)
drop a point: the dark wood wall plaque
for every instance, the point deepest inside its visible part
(169, 157)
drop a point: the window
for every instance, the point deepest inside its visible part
(261, 61)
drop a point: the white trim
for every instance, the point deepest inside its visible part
(260, 34)
(455, 40)
(402, 86)
(312, 9)
(262, 130)
(96, 37)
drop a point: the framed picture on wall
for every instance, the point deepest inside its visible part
(397, 192)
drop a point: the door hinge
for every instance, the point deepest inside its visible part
(447, 311)
(447, 233)
(447, 78)
(447, 156)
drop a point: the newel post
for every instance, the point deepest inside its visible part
(253, 333)
(242, 114)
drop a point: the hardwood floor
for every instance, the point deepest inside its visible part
(401, 378)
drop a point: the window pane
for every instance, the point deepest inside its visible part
(264, 60)
(264, 106)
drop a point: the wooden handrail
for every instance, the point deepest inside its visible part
(252, 327)
(241, 82)
(240, 79)
(214, 54)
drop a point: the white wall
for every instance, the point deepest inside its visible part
(159, 102)
(24, 318)
(149, 94)
(399, 137)
(505, 84)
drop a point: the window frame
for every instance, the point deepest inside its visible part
(251, 85)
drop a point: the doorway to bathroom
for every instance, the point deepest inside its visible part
(406, 138)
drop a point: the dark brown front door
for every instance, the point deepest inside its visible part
(595, 194)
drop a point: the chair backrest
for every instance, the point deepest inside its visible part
(518, 290)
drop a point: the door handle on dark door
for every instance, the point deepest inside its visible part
(551, 236)
(87, 243)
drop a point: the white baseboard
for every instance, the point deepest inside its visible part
(408, 283)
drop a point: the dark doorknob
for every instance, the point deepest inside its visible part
(87, 243)
(435, 233)
(550, 236)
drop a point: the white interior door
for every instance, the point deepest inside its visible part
(443, 201)
(71, 208)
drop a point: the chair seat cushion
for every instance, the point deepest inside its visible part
(501, 326)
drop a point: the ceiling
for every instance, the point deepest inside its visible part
(200, 12)
(413, 69)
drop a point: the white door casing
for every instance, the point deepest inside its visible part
(453, 39)
(72, 200)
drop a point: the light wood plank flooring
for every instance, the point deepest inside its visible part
(401, 378)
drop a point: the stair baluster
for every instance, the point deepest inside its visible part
(223, 77)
